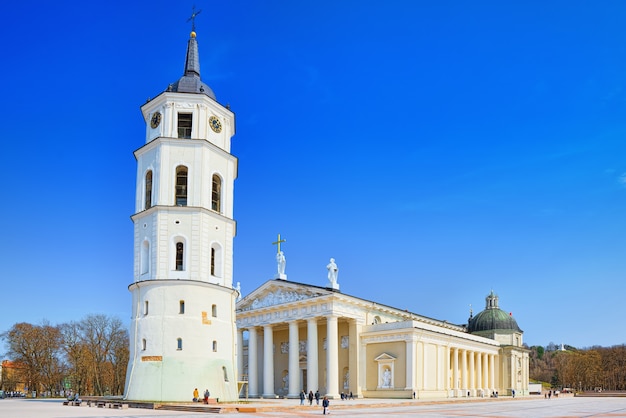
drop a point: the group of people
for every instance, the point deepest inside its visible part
(310, 397)
(196, 396)
(346, 396)
(549, 394)
(316, 396)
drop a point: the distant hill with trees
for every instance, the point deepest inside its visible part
(580, 369)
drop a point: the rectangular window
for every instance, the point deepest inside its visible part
(182, 307)
(179, 256)
(148, 201)
(181, 186)
(184, 125)
(145, 309)
(216, 194)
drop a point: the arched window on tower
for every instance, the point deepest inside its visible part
(216, 194)
(179, 344)
(180, 255)
(145, 257)
(143, 344)
(216, 260)
(214, 311)
(214, 346)
(181, 186)
(148, 191)
(225, 374)
(181, 307)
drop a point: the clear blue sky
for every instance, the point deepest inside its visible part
(437, 150)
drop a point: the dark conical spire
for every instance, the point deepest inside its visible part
(192, 61)
(190, 82)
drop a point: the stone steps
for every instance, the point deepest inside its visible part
(191, 408)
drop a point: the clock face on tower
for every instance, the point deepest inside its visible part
(156, 120)
(215, 123)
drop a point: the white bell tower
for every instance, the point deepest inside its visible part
(183, 332)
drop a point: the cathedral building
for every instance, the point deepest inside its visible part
(300, 336)
(182, 332)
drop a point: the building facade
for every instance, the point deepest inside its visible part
(182, 331)
(307, 337)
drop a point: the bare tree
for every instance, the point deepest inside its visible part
(119, 361)
(37, 349)
(103, 336)
(77, 357)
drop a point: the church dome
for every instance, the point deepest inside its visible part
(492, 319)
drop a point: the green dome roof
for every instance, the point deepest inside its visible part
(492, 318)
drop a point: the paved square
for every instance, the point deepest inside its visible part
(522, 408)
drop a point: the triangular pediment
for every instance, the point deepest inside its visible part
(278, 292)
(384, 357)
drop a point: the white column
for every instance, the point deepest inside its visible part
(492, 374)
(486, 374)
(332, 358)
(294, 366)
(471, 386)
(479, 373)
(446, 370)
(240, 354)
(464, 372)
(441, 361)
(455, 371)
(311, 355)
(268, 362)
(423, 382)
(411, 364)
(420, 360)
(253, 365)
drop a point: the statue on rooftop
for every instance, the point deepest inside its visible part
(333, 271)
(281, 262)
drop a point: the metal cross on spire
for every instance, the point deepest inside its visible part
(278, 243)
(193, 17)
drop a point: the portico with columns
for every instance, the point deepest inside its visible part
(298, 337)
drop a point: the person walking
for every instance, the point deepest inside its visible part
(311, 397)
(317, 397)
(302, 396)
(325, 404)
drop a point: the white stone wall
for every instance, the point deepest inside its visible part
(164, 372)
